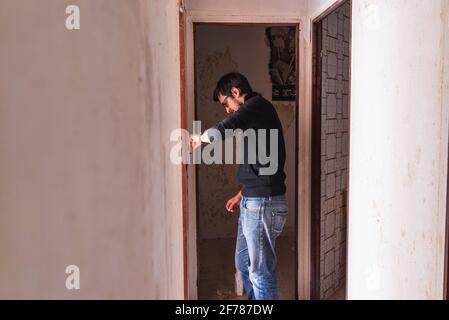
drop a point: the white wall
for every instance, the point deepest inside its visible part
(164, 184)
(398, 149)
(84, 177)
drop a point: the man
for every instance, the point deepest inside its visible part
(262, 199)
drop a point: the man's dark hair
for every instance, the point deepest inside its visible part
(229, 81)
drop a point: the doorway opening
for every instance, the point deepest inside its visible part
(330, 152)
(267, 54)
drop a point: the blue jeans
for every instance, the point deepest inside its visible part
(261, 221)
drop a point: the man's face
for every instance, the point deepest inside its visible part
(232, 102)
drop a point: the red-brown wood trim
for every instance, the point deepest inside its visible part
(315, 184)
(296, 250)
(197, 219)
(185, 212)
(244, 23)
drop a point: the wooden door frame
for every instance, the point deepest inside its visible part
(182, 63)
(188, 20)
(315, 184)
(315, 205)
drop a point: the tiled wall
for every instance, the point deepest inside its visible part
(334, 149)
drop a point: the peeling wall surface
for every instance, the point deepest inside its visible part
(219, 50)
(398, 165)
(84, 177)
(216, 183)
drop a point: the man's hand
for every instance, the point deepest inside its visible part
(194, 142)
(234, 202)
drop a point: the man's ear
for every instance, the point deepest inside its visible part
(235, 92)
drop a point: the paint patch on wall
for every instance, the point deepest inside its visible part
(285, 112)
(216, 183)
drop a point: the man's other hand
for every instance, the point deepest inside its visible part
(234, 202)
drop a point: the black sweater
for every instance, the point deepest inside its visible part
(257, 113)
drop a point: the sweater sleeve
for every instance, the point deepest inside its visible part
(242, 119)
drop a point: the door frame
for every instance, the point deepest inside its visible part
(315, 202)
(188, 20)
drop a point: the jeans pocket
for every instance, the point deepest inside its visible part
(278, 220)
(252, 208)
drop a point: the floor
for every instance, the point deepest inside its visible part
(217, 271)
